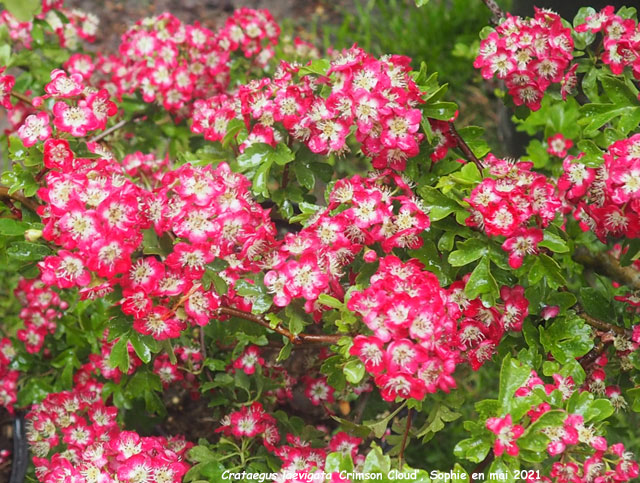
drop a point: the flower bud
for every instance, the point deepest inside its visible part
(32, 235)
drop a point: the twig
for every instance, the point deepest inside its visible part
(464, 147)
(360, 407)
(293, 338)
(113, 128)
(28, 202)
(23, 98)
(481, 467)
(605, 326)
(404, 438)
(497, 13)
(203, 351)
(285, 176)
(589, 358)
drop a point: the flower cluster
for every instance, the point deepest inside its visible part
(421, 331)
(376, 98)
(607, 198)
(250, 422)
(8, 376)
(413, 350)
(6, 86)
(80, 26)
(298, 456)
(41, 307)
(529, 55)
(380, 209)
(95, 449)
(99, 218)
(173, 63)
(506, 203)
(620, 40)
(88, 109)
(599, 461)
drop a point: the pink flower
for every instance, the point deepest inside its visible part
(522, 243)
(77, 120)
(249, 359)
(507, 433)
(36, 127)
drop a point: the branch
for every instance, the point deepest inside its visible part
(481, 467)
(497, 13)
(590, 357)
(113, 128)
(605, 326)
(294, 338)
(609, 265)
(464, 147)
(404, 439)
(24, 98)
(28, 202)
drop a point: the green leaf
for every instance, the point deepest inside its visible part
(317, 67)
(261, 179)
(11, 227)
(234, 126)
(329, 301)
(545, 266)
(595, 304)
(254, 156)
(468, 251)
(501, 471)
(473, 449)
(376, 461)
(619, 91)
(513, 375)
(481, 281)
(442, 111)
(439, 415)
(594, 116)
(282, 154)
(337, 462)
(144, 345)
(119, 356)
(23, 10)
(553, 242)
(567, 338)
(421, 3)
(27, 251)
(354, 371)
(593, 154)
(469, 174)
(440, 206)
(304, 175)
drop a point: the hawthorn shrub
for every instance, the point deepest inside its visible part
(310, 249)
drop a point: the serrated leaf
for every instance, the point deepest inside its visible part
(304, 175)
(468, 251)
(481, 281)
(119, 357)
(513, 375)
(568, 337)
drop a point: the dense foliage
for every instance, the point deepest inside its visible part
(311, 252)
